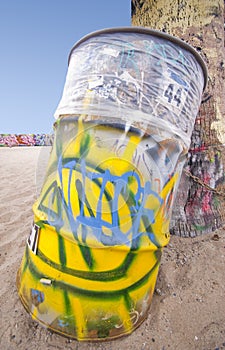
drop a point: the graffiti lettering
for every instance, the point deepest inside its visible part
(116, 200)
(94, 221)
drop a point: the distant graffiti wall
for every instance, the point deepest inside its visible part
(13, 140)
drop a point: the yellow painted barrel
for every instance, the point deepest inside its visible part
(102, 218)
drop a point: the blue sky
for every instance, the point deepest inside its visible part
(36, 37)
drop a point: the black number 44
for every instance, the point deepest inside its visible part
(172, 95)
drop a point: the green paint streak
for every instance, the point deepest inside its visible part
(107, 196)
(90, 293)
(62, 253)
(128, 302)
(148, 229)
(41, 206)
(26, 259)
(110, 275)
(106, 294)
(85, 144)
(80, 192)
(67, 303)
(36, 274)
(85, 250)
(87, 255)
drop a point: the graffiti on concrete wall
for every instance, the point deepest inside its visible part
(13, 140)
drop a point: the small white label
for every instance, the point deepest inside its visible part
(46, 281)
(32, 240)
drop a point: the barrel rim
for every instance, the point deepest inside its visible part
(150, 31)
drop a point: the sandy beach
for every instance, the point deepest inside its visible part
(188, 306)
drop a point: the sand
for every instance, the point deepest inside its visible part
(188, 306)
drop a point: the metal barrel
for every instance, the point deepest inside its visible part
(102, 218)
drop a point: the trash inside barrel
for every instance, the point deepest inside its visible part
(122, 131)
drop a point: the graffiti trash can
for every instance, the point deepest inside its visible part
(123, 129)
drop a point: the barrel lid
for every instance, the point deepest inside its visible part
(144, 30)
